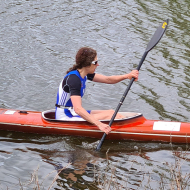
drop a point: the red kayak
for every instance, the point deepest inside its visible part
(134, 127)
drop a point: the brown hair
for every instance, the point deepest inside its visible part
(84, 58)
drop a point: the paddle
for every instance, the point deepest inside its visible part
(153, 42)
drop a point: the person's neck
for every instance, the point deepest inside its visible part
(82, 72)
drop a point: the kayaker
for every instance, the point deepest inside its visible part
(72, 87)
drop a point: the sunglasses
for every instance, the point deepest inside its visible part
(95, 62)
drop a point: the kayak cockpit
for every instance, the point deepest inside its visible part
(49, 115)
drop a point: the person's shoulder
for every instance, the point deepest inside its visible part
(74, 84)
(72, 77)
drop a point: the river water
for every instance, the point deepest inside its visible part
(38, 43)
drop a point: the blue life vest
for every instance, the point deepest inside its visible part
(64, 99)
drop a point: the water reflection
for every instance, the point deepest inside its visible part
(79, 166)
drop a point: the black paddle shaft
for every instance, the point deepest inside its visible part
(153, 42)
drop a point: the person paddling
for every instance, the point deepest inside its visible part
(72, 87)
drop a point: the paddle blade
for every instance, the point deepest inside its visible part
(157, 35)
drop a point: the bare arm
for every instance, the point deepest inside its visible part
(77, 104)
(115, 78)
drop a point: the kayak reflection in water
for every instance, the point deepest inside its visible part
(72, 87)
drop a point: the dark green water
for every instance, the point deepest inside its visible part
(38, 43)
